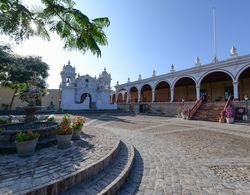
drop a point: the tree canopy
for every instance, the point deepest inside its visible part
(16, 70)
(60, 16)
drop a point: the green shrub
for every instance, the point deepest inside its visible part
(2, 121)
(26, 136)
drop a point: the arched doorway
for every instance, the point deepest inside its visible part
(119, 98)
(216, 87)
(133, 94)
(244, 84)
(113, 99)
(146, 93)
(185, 89)
(84, 96)
(162, 92)
(125, 97)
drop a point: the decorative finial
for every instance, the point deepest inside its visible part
(139, 77)
(197, 61)
(233, 52)
(128, 79)
(215, 60)
(69, 62)
(153, 73)
(117, 83)
(172, 68)
(105, 69)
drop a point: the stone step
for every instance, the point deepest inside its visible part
(133, 181)
(52, 171)
(111, 178)
(209, 111)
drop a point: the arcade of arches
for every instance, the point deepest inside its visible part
(213, 87)
(162, 92)
(244, 84)
(133, 95)
(216, 86)
(146, 93)
(185, 88)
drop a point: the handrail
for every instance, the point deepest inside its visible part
(195, 108)
(227, 103)
(225, 107)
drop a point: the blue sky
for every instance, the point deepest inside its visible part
(146, 35)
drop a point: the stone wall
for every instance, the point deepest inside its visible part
(242, 104)
(53, 95)
(167, 108)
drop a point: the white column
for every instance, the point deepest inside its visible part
(198, 96)
(116, 97)
(139, 96)
(172, 94)
(123, 94)
(236, 90)
(153, 95)
(128, 97)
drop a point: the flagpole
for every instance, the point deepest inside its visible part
(214, 33)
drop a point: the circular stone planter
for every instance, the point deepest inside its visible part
(46, 130)
(76, 134)
(63, 141)
(26, 148)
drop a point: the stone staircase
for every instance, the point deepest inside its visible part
(111, 178)
(98, 163)
(209, 111)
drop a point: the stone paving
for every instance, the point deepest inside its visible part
(49, 164)
(100, 181)
(184, 157)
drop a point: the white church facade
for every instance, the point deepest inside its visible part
(85, 92)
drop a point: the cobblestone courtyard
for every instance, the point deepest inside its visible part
(184, 157)
(172, 156)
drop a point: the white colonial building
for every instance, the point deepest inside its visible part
(214, 82)
(85, 92)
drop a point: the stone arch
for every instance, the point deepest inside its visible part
(185, 89)
(216, 70)
(84, 96)
(125, 97)
(181, 77)
(216, 85)
(243, 79)
(119, 98)
(241, 71)
(133, 91)
(146, 93)
(113, 98)
(162, 91)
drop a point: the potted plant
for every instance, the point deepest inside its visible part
(185, 113)
(229, 115)
(178, 111)
(26, 143)
(64, 133)
(77, 127)
(51, 118)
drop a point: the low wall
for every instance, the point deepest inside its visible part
(167, 108)
(242, 104)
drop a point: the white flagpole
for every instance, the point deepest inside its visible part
(214, 28)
